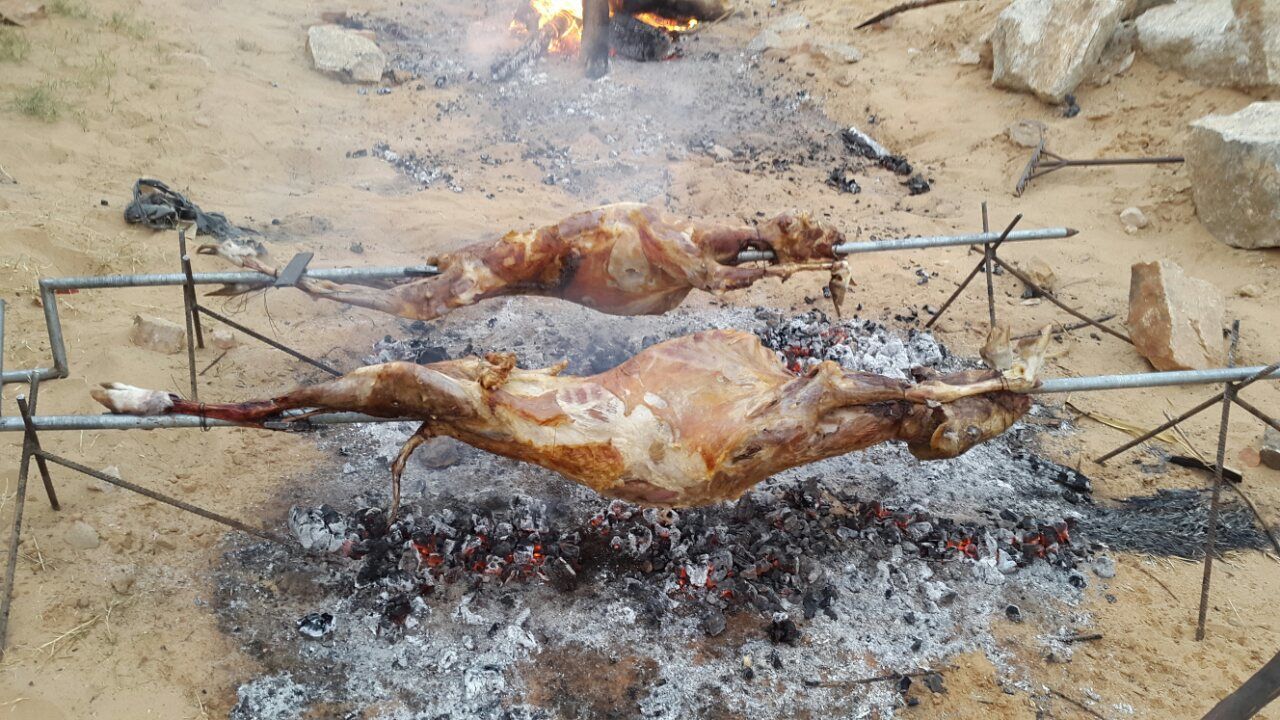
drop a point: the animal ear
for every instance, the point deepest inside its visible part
(1031, 354)
(839, 285)
(997, 353)
(1019, 363)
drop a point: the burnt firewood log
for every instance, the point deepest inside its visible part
(704, 10)
(635, 40)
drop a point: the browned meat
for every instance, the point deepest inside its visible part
(623, 259)
(691, 421)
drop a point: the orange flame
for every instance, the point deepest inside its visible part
(677, 26)
(565, 16)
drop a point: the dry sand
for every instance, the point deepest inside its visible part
(219, 100)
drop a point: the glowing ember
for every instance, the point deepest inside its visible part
(565, 20)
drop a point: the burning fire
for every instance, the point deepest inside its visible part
(565, 16)
(565, 20)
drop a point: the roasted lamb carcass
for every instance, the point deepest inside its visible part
(623, 259)
(691, 421)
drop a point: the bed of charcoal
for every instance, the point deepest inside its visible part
(506, 591)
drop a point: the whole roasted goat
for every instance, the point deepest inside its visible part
(691, 421)
(621, 259)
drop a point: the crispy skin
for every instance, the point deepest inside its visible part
(691, 421)
(622, 259)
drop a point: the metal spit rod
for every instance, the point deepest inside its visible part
(917, 243)
(50, 287)
(1054, 385)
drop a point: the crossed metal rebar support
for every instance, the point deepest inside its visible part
(987, 265)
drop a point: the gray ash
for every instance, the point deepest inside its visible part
(503, 580)
(804, 340)
(422, 170)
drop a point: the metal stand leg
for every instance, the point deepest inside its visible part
(987, 254)
(1211, 532)
(189, 287)
(29, 449)
(31, 444)
(973, 273)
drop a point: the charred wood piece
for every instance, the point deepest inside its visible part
(702, 10)
(639, 41)
(534, 47)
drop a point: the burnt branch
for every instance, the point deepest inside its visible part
(534, 47)
(896, 9)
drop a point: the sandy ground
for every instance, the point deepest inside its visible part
(219, 99)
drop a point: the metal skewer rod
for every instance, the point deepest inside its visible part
(917, 243)
(1053, 385)
(51, 287)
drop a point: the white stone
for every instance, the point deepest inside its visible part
(1175, 321)
(789, 23)
(1233, 43)
(838, 52)
(1133, 219)
(82, 536)
(223, 339)
(1270, 452)
(1234, 164)
(1027, 133)
(158, 334)
(968, 55)
(347, 53)
(1249, 291)
(1048, 47)
(123, 580)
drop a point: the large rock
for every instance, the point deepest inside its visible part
(1175, 321)
(1134, 8)
(158, 334)
(1233, 43)
(347, 53)
(1047, 47)
(1234, 163)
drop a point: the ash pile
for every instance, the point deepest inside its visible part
(615, 139)
(506, 591)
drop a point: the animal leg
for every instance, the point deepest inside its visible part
(415, 441)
